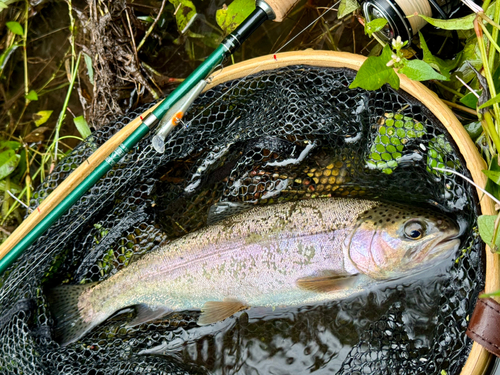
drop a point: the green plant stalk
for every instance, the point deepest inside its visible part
(380, 41)
(492, 50)
(25, 61)
(160, 11)
(25, 38)
(487, 122)
(62, 115)
(13, 206)
(6, 200)
(489, 20)
(486, 4)
(487, 71)
(496, 18)
(52, 77)
(45, 92)
(493, 244)
(449, 89)
(72, 34)
(27, 188)
(328, 33)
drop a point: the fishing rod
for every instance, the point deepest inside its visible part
(43, 217)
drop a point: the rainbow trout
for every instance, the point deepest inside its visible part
(289, 254)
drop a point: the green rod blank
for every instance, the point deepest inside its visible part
(229, 44)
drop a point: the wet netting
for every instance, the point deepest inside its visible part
(283, 135)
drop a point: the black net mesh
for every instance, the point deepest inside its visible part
(288, 134)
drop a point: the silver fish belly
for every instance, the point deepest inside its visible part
(287, 254)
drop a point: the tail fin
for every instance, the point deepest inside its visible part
(71, 318)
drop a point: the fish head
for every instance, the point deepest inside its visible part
(391, 241)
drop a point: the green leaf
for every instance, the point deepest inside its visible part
(442, 66)
(374, 72)
(5, 3)
(347, 7)
(9, 145)
(7, 54)
(15, 27)
(13, 187)
(464, 23)
(90, 68)
(229, 17)
(32, 96)
(492, 101)
(18, 173)
(491, 9)
(419, 70)
(470, 100)
(376, 50)
(486, 225)
(211, 40)
(185, 11)
(41, 117)
(496, 78)
(148, 19)
(493, 176)
(472, 55)
(374, 26)
(8, 162)
(491, 187)
(82, 126)
(474, 129)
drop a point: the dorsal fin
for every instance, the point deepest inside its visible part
(327, 281)
(214, 311)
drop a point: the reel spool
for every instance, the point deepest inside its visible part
(397, 13)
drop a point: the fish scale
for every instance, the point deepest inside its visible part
(287, 254)
(282, 222)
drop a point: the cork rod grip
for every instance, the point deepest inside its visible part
(281, 8)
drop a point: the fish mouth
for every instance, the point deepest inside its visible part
(445, 246)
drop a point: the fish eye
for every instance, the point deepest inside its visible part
(414, 230)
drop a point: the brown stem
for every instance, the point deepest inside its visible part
(153, 25)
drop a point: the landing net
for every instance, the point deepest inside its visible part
(294, 133)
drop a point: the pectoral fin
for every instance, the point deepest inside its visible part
(327, 282)
(214, 311)
(148, 314)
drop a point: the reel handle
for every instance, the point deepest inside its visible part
(281, 8)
